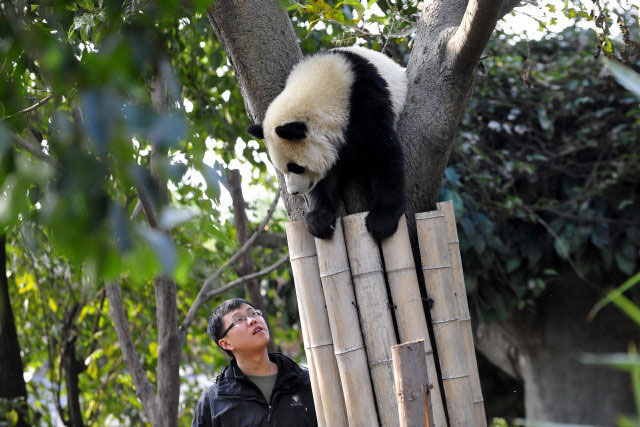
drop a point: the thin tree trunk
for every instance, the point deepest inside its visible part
(245, 264)
(71, 366)
(12, 385)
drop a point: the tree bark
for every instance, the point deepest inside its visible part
(245, 264)
(72, 366)
(12, 385)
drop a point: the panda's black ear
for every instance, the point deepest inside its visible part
(256, 131)
(293, 130)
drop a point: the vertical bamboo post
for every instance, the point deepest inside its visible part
(345, 330)
(411, 384)
(410, 316)
(306, 274)
(463, 311)
(313, 372)
(436, 265)
(367, 274)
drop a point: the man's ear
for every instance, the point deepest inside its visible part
(293, 130)
(225, 345)
(256, 131)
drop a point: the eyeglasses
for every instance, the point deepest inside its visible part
(240, 320)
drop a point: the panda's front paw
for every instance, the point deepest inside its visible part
(382, 224)
(321, 223)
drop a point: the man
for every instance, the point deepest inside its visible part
(256, 388)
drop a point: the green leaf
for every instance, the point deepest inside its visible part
(612, 295)
(512, 264)
(561, 247)
(624, 75)
(622, 361)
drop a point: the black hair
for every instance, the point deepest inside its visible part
(214, 327)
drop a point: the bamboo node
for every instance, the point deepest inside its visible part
(411, 267)
(367, 273)
(348, 350)
(319, 345)
(453, 377)
(379, 362)
(301, 257)
(435, 267)
(429, 215)
(451, 319)
(465, 319)
(333, 273)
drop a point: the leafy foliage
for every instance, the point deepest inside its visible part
(545, 178)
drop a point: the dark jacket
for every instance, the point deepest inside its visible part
(234, 401)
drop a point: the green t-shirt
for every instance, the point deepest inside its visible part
(265, 383)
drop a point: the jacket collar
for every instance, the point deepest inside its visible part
(232, 380)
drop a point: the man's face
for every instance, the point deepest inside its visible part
(250, 335)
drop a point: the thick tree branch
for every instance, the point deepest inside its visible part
(144, 388)
(201, 298)
(469, 40)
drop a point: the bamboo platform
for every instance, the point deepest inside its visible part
(366, 333)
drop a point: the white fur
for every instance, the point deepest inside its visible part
(317, 92)
(391, 72)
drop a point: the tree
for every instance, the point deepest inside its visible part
(13, 390)
(449, 40)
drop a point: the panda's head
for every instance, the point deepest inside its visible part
(304, 126)
(303, 157)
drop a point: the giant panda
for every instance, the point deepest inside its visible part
(335, 121)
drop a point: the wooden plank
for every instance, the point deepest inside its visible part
(412, 384)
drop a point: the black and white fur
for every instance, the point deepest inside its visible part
(333, 122)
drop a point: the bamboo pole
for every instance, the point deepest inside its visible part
(313, 372)
(345, 330)
(463, 311)
(410, 316)
(306, 274)
(436, 265)
(412, 384)
(367, 274)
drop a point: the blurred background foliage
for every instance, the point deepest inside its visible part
(544, 176)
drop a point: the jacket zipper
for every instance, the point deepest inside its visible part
(269, 416)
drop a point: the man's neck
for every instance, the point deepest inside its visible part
(256, 363)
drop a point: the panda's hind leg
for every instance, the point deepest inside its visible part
(387, 186)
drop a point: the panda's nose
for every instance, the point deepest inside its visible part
(295, 193)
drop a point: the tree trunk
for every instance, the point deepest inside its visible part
(12, 386)
(72, 368)
(545, 345)
(245, 264)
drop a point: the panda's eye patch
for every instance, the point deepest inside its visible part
(295, 168)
